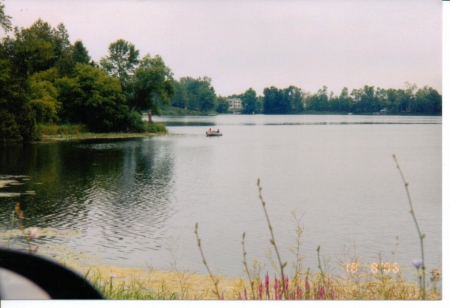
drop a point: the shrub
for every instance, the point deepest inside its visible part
(151, 127)
(9, 130)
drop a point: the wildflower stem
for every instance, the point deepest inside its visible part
(421, 236)
(246, 267)
(322, 275)
(215, 281)
(282, 265)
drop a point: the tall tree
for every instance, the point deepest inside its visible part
(5, 20)
(294, 98)
(93, 98)
(151, 83)
(121, 62)
(272, 100)
(80, 53)
(200, 93)
(222, 105)
(249, 101)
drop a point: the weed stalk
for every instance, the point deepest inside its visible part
(215, 281)
(272, 241)
(246, 267)
(421, 236)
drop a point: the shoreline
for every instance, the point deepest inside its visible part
(87, 136)
(186, 284)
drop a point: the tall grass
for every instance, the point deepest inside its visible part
(382, 281)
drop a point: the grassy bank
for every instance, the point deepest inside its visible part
(115, 282)
(69, 131)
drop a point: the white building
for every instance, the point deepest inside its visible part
(234, 103)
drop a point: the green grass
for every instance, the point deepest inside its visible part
(65, 129)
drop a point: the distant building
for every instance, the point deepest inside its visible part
(234, 103)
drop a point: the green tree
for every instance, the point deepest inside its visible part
(344, 101)
(429, 101)
(37, 48)
(200, 93)
(272, 100)
(5, 20)
(151, 83)
(93, 98)
(17, 118)
(294, 97)
(180, 96)
(121, 62)
(43, 100)
(319, 101)
(80, 53)
(222, 105)
(249, 101)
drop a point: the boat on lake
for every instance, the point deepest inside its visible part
(213, 134)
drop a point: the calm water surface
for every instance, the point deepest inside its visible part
(135, 202)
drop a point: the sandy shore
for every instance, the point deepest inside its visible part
(187, 285)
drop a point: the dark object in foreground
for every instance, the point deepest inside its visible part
(56, 280)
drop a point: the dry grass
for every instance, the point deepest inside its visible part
(152, 284)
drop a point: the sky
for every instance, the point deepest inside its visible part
(262, 43)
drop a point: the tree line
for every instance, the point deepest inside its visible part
(46, 79)
(367, 100)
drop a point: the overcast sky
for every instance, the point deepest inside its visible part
(263, 43)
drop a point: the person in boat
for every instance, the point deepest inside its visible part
(218, 131)
(210, 131)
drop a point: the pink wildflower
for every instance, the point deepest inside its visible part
(275, 286)
(267, 282)
(299, 293)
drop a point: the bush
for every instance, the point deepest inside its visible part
(26, 119)
(135, 123)
(18, 127)
(151, 127)
(9, 130)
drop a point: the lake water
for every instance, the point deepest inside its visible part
(136, 202)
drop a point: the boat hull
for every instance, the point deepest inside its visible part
(213, 134)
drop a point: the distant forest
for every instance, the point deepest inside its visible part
(46, 80)
(367, 100)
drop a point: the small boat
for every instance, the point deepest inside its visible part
(208, 134)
